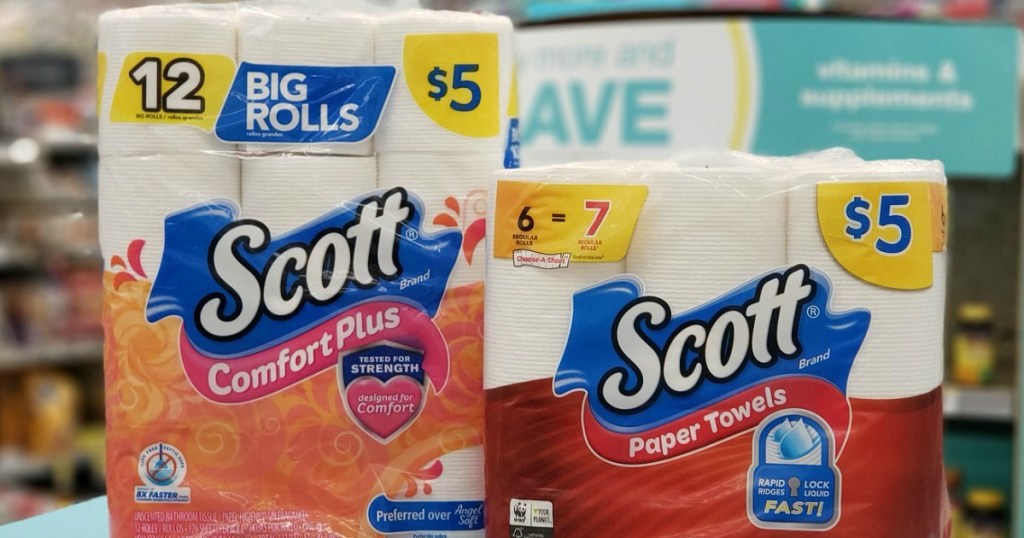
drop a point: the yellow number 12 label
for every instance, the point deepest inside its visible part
(172, 88)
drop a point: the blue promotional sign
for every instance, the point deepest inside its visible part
(890, 91)
(885, 89)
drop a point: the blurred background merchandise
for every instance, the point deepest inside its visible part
(51, 379)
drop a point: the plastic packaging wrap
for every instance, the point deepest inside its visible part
(294, 342)
(723, 345)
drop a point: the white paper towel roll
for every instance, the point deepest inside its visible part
(290, 35)
(175, 28)
(453, 187)
(405, 127)
(287, 191)
(528, 311)
(136, 193)
(902, 354)
(704, 231)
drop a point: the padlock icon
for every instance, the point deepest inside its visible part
(793, 481)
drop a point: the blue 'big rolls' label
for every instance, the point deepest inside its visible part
(304, 104)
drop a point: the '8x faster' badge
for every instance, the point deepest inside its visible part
(162, 469)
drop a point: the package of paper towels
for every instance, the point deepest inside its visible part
(720, 345)
(294, 312)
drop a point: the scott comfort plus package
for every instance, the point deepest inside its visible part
(292, 217)
(720, 346)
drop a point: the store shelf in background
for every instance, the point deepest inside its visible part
(48, 205)
(64, 144)
(16, 466)
(33, 261)
(12, 358)
(16, 259)
(978, 403)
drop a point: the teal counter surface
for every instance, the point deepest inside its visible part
(84, 520)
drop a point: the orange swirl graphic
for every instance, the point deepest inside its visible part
(295, 450)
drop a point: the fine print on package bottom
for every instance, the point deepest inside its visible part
(728, 346)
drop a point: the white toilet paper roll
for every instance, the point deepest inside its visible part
(462, 479)
(291, 35)
(902, 354)
(175, 28)
(506, 81)
(704, 231)
(453, 187)
(136, 193)
(436, 177)
(287, 191)
(405, 127)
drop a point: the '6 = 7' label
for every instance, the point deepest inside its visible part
(584, 223)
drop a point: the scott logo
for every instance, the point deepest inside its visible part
(362, 251)
(761, 330)
(261, 313)
(659, 385)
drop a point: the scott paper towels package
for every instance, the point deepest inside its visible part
(294, 312)
(723, 345)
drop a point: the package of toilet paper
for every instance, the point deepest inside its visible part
(721, 345)
(292, 213)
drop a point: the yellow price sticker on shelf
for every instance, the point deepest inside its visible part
(172, 88)
(884, 233)
(454, 80)
(550, 225)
